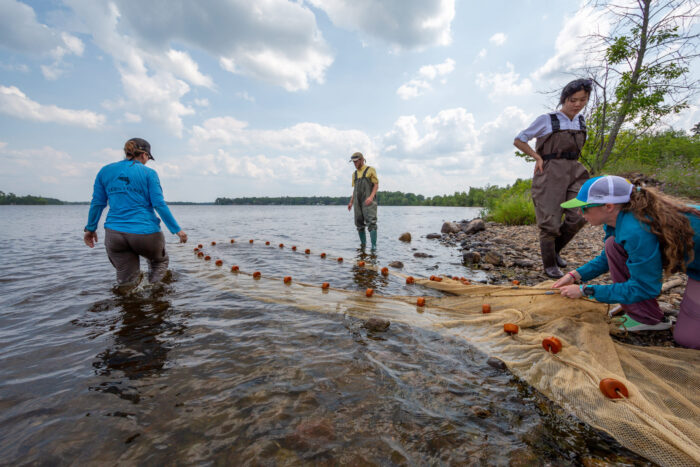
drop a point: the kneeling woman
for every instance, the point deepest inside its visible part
(132, 228)
(646, 234)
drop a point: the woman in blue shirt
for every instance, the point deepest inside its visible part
(646, 234)
(132, 228)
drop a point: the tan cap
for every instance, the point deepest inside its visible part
(356, 156)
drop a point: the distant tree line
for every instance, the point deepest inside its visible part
(11, 198)
(474, 197)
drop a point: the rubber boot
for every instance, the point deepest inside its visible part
(363, 237)
(373, 237)
(549, 258)
(567, 233)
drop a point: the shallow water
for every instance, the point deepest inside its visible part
(199, 371)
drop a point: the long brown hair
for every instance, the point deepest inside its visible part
(131, 150)
(665, 217)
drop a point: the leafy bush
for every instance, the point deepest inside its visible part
(513, 209)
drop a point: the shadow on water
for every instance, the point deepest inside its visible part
(141, 333)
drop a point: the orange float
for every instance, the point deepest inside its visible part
(323, 255)
(250, 241)
(340, 260)
(486, 308)
(613, 388)
(410, 280)
(369, 292)
(420, 301)
(516, 282)
(219, 262)
(213, 243)
(196, 249)
(256, 275)
(281, 245)
(307, 251)
(287, 279)
(234, 268)
(465, 282)
(325, 285)
(385, 271)
(294, 248)
(200, 254)
(361, 264)
(200, 246)
(551, 344)
(455, 278)
(233, 241)
(267, 243)
(207, 258)
(511, 328)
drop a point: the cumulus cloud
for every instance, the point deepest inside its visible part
(15, 103)
(21, 32)
(504, 84)
(419, 86)
(498, 39)
(569, 46)
(403, 24)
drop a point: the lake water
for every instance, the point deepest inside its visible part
(202, 371)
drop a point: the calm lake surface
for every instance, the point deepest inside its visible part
(197, 371)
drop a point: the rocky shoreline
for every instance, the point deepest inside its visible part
(508, 253)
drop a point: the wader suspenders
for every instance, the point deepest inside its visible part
(556, 126)
(364, 174)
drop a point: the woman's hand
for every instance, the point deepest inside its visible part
(539, 165)
(90, 238)
(571, 291)
(567, 279)
(183, 236)
(350, 204)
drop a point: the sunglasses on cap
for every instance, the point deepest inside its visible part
(583, 208)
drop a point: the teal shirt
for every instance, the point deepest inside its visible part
(643, 262)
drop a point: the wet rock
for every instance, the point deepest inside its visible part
(405, 237)
(480, 411)
(471, 257)
(420, 254)
(377, 324)
(494, 258)
(450, 227)
(433, 235)
(475, 225)
(524, 457)
(486, 267)
(396, 264)
(523, 263)
(496, 363)
(312, 433)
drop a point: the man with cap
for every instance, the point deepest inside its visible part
(647, 233)
(132, 229)
(365, 185)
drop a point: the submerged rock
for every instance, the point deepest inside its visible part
(422, 255)
(377, 324)
(471, 257)
(496, 363)
(433, 235)
(480, 411)
(396, 264)
(405, 237)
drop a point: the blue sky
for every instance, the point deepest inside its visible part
(241, 98)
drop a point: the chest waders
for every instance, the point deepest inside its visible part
(364, 215)
(561, 180)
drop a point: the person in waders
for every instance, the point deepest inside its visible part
(365, 184)
(558, 174)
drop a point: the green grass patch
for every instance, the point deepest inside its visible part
(513, 209)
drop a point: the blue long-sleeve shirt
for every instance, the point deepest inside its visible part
(643, 262)
(133, 192)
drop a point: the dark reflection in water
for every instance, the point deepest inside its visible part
(140, 348)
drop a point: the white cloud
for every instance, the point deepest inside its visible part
(15, 103)
(498, 39)
(419, 86)
(201, 102)
(482, 53)
(570, 47)
(245, 96)
(403, 24)
(132, 118)
(504, 84)
(182, 65)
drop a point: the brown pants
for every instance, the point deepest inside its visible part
(560, 181)
(124, 251)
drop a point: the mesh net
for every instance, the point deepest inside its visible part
(660, 417)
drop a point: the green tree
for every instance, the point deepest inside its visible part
(643, 75)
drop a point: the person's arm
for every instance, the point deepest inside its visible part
(97, 205)
(524, 147)
(538, 128)
(645, 268)
(155, 193)
(369, 200)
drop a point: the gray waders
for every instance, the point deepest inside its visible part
(561, 180)
(365, 216)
